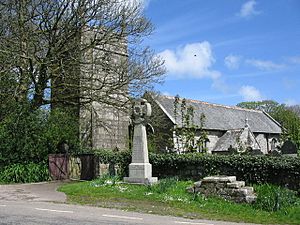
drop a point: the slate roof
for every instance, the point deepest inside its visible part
(231, 137)
(227, 140)
(220, 117)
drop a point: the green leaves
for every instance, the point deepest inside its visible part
(272, 198)
(28, 135)
(24, 173)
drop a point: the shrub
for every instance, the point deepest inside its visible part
(24, 173)
(21, 137)
(272, 198)
(28, 135)
(61, 127)
(284, 171)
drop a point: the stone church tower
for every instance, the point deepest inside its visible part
(102, 123)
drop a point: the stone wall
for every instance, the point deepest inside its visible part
(265, 140)
(224, 186)
(96, 169)
(213, 137)
(162, 138)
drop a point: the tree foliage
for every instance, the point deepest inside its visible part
(28, 135)
(68, 53)
(269, 106)
(83, 50)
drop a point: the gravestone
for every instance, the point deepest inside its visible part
(140, 170)
(289, 148)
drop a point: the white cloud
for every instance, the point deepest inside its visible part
(265, 64)
(294, 59)
(248, 9)
(250, 93)
(232, 61)
(193, 60)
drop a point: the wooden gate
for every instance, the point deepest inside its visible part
(58, 166)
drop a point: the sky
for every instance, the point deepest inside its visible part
(228, 51)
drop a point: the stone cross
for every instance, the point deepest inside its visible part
(140, 170)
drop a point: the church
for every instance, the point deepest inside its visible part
(227, 127)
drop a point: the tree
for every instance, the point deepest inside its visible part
(267, 105)
(81, 50)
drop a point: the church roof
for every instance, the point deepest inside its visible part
(236, 139)
(220, 117)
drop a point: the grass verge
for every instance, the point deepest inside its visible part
(170, 198)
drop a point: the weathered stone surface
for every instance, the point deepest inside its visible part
(219, 179)
(135, 180)
(250, 190)
(197, 184)
(224, 186)
(140, 170)
(250, 198)
(236, 184)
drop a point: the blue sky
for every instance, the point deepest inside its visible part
(228, 51)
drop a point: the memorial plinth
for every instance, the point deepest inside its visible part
(140, 170)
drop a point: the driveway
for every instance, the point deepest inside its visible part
(45, 191)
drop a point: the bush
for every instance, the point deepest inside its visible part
(28, 135)
(21, 137)
(61, 127)
(24, 173)
(272, 198)
(284, 171)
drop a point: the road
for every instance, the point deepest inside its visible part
(41, 204)
(46, 213)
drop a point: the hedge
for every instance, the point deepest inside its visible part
(283, 171)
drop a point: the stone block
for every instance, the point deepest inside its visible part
(150, 180)
(219, 179)
(140, 170)
(236, 184)
(250, 198)
(249, 190)
(197, 184)
(236, 192)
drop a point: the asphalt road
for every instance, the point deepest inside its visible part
(46, 213)
(41, 204)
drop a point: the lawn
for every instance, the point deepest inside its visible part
(170, 198)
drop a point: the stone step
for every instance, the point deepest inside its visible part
(219, 179)
(236, 184)
(250, 198)
(249, 190)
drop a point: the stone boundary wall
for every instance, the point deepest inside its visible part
(80, 167)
